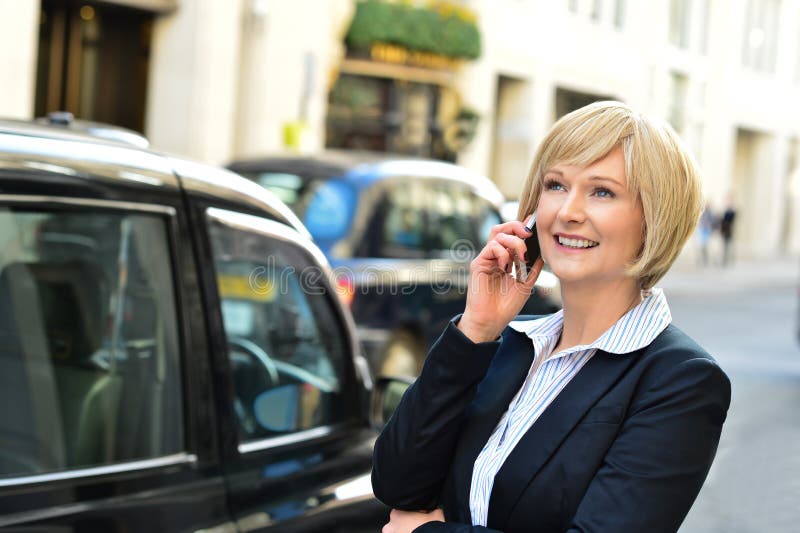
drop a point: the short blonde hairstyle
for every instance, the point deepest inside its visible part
(660, 171)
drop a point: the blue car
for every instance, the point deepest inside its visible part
(399, 234)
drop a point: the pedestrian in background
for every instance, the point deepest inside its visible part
(726, 231)
(602, 417)
(705, 227)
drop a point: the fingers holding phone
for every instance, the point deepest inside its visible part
(513, 248)
(502, 277)
(524, 266)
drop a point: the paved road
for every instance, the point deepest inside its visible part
(749, 325)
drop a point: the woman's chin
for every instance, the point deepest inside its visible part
(570, 273)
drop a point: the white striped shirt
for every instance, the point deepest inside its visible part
(549, 374)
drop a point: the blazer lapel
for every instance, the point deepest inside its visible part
(502, 381)
(549, 431)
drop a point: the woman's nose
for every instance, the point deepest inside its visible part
(572, 210)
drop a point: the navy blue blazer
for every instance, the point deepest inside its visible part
(625, 447)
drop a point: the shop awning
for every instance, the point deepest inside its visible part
(378, 69)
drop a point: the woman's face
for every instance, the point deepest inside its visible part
(589, 224)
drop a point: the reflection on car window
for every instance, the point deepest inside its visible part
(488, 217)
(89, 371)
(287, 187)
(404, 220)
(285, 344)
(451, 211)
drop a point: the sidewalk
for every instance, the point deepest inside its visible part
(743, 275)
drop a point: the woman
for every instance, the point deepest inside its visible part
(602, 417)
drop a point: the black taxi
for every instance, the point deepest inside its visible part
(173, 354)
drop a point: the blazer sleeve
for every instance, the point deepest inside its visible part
(413, 452)
(656, 466)
(452, 527)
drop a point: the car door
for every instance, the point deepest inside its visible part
(100, 409)
(298, 450)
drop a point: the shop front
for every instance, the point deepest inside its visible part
(395, 92)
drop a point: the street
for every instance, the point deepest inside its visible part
(747, 322)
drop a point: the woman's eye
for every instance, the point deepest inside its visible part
(602, 192)
(552, 185)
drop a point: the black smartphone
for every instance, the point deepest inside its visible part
(521, 267)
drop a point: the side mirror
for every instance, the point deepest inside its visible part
(386, 396)
(277, 409)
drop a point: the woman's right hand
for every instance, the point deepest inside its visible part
(494, 296)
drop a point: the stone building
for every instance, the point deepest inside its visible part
(218, 80)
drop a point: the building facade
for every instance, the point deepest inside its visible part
(222, 80)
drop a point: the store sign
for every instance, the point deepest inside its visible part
(390, 53)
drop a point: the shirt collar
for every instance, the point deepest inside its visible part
(634, 330)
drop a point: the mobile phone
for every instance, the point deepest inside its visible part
(521, 267)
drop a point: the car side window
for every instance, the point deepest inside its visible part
(403, 226)
(285, 348)
(89, 350)
(487, 217)
(452, 218)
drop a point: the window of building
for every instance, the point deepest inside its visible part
(700, 95)
(89, 350)
(93, 61)
(597, 10)
(679, 93)
(620, 12)
(704, 21)
(568, 100)
(286, 351)
(679, 23)
(760, 37)
(572, 5)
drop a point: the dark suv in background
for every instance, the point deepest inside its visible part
(400, 234)
(173, 355)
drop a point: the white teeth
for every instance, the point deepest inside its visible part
(576, 243)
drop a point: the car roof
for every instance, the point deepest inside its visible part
(320, 165)
(76, 131)
(339, 158)
(364, 167)
(43, 149)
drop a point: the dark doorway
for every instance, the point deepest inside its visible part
(93, 61)
(568, 101)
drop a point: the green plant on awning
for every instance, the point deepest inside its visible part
(443, 31)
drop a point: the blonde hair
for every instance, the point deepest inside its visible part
(660, 171)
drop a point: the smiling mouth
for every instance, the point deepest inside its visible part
(575, 243)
